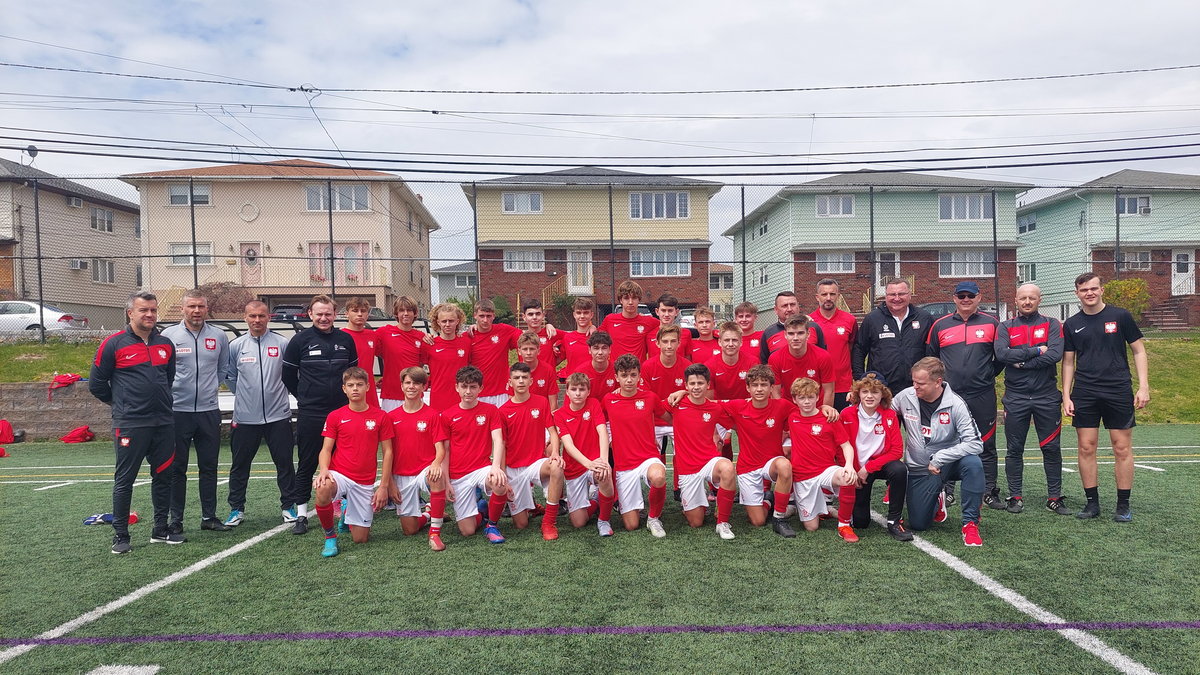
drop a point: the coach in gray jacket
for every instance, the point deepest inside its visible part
(261, 411)
(941, 443)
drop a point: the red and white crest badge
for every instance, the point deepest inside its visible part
(273, 351)
(370, 425)
(679, 382)
(841, 330)
(816, 429)
(979, 333)
(878, 429)
(1039, 332)
(124, 442)
(707, 417)
(943, 418)
(422, 425)
(462, 353)
(770, 422)
(811, 372)
(641, 329)
(741, 374)
(480, 419)
(535, 413)
(1110, 326)
(640, 405)
(587, 415)
(210, 343)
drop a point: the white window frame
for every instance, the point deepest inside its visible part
(520, 203)
(524, 260)
(104, 271)
(177, 194)
(465, 281)
(346, 197)
(1026, 272)
(957, 263)
(1136, 260)
(1026, 223)
(759, 277)
(835, 262)
(660, 205)
(826, 202)
(1138, 201)
(717, 281)
(659, 262)
(102, 219)
(965, 206)
(181, 253)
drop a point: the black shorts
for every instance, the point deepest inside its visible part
(1114, 410)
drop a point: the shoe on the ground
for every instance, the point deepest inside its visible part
(678, 495)
(301, 525)
(887, 495)
(549, 530)
(1123, 514)
(1090, 510)
(289, 514)
(214, 525)
(1058, 505)
(482, 506)
(970, 533)
(121, 545)
(782, 528)
(493, 534)
(331, 547)
(1015, 505)
(791, 511)
(949, 492)
(235, 518)
(939, 516)
(175, 528)
(656, 527)
(724, 531)
(435, 542)
(847, 533)
(604, 528)
(825, 516)
(993, 501)
(537, 511)
(166, 537)
(899, 532)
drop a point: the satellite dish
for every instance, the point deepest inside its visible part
(32, 151)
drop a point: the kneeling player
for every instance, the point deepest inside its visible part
(698, 460)
(358, 430)
(528, 427)
(815, 445)
(420, 466)
(584, 436)
(874, 430)
(761, 422)
(476, 436)
(631, 412)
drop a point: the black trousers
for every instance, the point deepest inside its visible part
(1045, 411)
(308, 451)
(983, 411)
(134, 446)
(896, 474)
(204, 430)
(244, 441)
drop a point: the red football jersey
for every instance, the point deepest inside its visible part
(399, 349)
(816, 444)
(549, 351)
(685, 344)
(470, 435)
(630, 335)
(840, 332)
(545, 381)
(662, 380)
(357, 436)
(632, 421)
(694, 427)
(415, 434)
(729, 382)
(445, 357)
(751, 345)
(602, 383)
(580, 426)
(703, 350)
(759, 430)
(489, 353)
(364, 344)
(574, 348)
(815, 365)
(525, 427)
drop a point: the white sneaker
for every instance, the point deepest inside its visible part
(605, 528)
(290, 515)
(791, 511)
(725, 531)
(655, 527)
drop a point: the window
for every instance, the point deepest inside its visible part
(102, 220)
(720, 280)
(465, 281)
(1026, 272)
(521, 202)
(181, 254)
(524, 260)
(965, 207)
(1135, 261)
(1133, 206)
(103, 271)
(835, 206)
(137, 276)
(346, 197)
(671, 262)
(652, 205)
(977, 263)
(410, 221)
(835, 262)
(1026, 223)
(759, 277)
(177, 195)
(762, 227)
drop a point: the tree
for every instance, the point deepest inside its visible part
(226, 298)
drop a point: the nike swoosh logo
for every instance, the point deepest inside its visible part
(1079, 329)
(787, 370)
(570, 420)
(654, 379)
(345, 421)
(439, 351)
(512, 415)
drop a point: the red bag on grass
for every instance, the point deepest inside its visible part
(60, 381)
(79, 435)
(6, 432)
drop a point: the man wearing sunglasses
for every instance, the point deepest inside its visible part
(964, 342)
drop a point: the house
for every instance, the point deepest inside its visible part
(88, 244)
(1155, 218)
(456, 281)
(286, 230)
(720, 290)
(582, 231)
(864, 227)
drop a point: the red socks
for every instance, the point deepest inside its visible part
(551, 514)
(724, 504)
(606, 507)
(846, 495)
(325, 515)
(658, 497)
(437, 510)
(782, 499)
(496, 504)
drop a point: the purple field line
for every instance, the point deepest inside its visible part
(612, 630)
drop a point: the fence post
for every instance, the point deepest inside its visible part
(192, 213)
(743, 195)
(871, 234)
(37, 236)
(1117, 235)
(475, 236)
(332, 250)
(996, 253)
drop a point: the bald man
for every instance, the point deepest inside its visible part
(1030, 346)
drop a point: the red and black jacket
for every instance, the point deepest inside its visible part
(966, 348)
(135, 376)
(1027, 372)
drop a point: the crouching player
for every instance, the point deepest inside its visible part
(358, 430)
(761, 422)
(584, 436)
(698, 460)
(420, 459)
(874, 430)
(476, 435)
(528, 427)
(631, 412)
(816, 443)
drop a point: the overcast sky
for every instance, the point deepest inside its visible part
(609, 45)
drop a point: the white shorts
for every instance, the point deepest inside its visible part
(662, 432)
(495, 399)
(465, 504)
(692, 487)
(750, 484)
(390, 404)
(520, 492)
(629, 485)
(807, 494)
(358, 509)
(579, 490)
(411, 488)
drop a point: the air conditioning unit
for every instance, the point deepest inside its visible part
(75, 202)
(1143, 210)
(77, 264)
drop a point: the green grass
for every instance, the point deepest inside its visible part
(56, 569)
(38, 362)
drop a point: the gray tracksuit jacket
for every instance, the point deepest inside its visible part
(951, 434)
(200, 362)
(255, 376)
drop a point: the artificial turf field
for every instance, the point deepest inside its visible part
(687, 603)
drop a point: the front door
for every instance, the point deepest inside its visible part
(1183, 272)
(251, 264)
(887, 266)
(579, 272)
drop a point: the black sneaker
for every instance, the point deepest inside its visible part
(121, 545)
(1123, 514)
(214, 525)
(993, 501)
(678, 498)
(949, 492)
(1058, 505)
(166, 537)
(175, 528)
(782, 528)
(899, 532)
(1090, 510)
(1015, 505)
(301, 525)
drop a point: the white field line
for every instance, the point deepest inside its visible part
(1082, 639)
(1151, 468)
(51, 487)
(125, 670)
(100, 466)
(84, 619)
(1069, 470)
(191, 479)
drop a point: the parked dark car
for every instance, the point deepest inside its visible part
(289, 313)
(939, 309)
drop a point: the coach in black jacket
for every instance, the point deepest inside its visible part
(892, 337)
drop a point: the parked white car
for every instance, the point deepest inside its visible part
(22, 315)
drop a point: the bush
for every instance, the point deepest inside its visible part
(561, 312)
(1132, 295)
(504, 311)
(226, 299)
